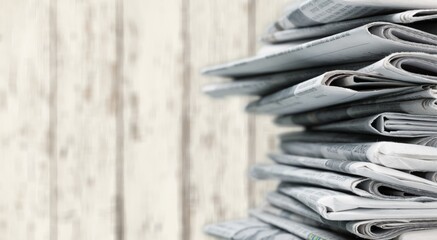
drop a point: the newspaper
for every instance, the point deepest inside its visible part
(395, 155)
(414, 235)
(278, 200)
(414, 93)
(277, 211)
(294, 34)
(412, 67)
(339, 206)
(267, 84)
(431, 176)
(315, 12)
(331, 88)
(248, 229)
(268, 49)
(334, 137)
(334, 115)
(427, 141)
(289, 208)
(296, 228)
(360, 186)
(388, 124)
(372, 41)
(419, 183)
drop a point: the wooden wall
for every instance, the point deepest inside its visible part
(104, 132)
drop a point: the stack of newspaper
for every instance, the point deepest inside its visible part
(361, 77)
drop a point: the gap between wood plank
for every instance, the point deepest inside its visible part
(119, 88)
(251, 119)
(185, 164)
(52, 134)
(53, 68)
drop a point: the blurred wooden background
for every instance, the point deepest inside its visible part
(104, 132)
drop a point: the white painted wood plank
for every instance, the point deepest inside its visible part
(219, 131)
(153, 103)
(86, 119)
(266, 132)
(24, 120)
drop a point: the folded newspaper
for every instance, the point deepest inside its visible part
(303, 214)
(340, 206)
(338, 137)
(411, 67)
(331, 88)
(372, 41)
(390, 154)
(388, 124)
(290, 209)
(419, 68)
(294, 34)
(432, 176)
(361, 186)
(248, 229)
(414, 235)
(266, 84)
(422, 108)
(315, 12)
(422, 181)
(299, 229)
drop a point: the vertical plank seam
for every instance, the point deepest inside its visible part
(252, 140)
(53, 111)
(185, 164)
(119, 128)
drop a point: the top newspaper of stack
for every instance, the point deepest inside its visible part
(277, 35)
(372, 41)
(306, 13)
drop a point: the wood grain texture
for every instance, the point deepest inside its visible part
(86, 119)
(266, 133)
(105, 133)
(24, 120)
(219, 128)
(153, 105)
